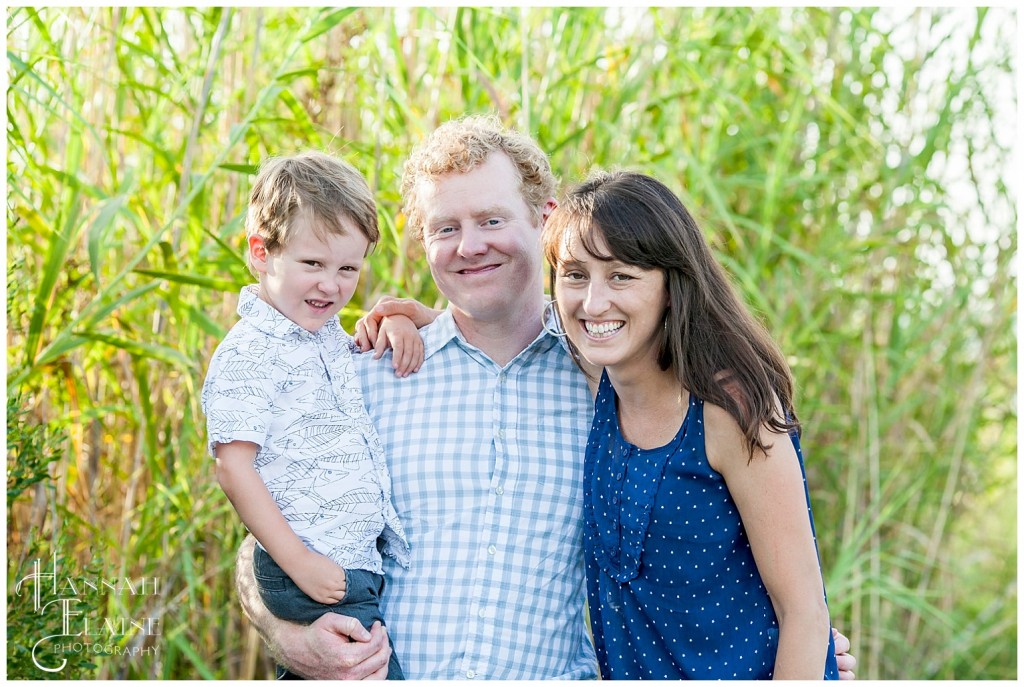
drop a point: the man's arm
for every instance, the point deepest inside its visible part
(335, 647)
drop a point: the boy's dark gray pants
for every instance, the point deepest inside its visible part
(285, 600)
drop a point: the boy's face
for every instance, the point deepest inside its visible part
(310, 280)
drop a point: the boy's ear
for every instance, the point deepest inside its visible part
(258, 253)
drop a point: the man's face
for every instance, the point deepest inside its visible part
(482, 241)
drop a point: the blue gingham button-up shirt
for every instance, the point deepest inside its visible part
(486, 465)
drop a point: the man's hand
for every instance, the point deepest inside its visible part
(335, 647)
(319, 577)
(338, 647)
(846, 661)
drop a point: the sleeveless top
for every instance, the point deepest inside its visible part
(673, 589)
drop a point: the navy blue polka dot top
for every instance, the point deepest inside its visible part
(673, 589)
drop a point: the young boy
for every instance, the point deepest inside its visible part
(297, 454)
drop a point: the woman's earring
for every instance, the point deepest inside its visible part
(556, 328)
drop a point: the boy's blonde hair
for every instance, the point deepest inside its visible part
(464, 144)
(311, 185)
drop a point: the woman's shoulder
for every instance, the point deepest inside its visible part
(720, 424)
(724, 438)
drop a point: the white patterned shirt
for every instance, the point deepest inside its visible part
(295, 394)
(487, 463)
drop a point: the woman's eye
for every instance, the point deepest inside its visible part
(621, 277)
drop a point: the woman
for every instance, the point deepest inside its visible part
(700, 548)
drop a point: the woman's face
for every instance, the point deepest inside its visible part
(612, 312)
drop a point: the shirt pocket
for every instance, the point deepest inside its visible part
(549, 467)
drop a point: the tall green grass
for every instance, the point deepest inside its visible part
(851, 170)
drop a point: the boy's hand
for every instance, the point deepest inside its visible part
(319, 577)
(400, 332)
(368, 326)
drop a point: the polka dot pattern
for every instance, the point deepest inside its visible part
(673, 588)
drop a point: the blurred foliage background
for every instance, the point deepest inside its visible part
(851, 167)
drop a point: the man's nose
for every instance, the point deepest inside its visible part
(472, 242)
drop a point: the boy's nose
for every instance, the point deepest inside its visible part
(330, 286)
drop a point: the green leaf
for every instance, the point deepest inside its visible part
(326, 23)
(98, 231)
(158, 352)
(207, 282)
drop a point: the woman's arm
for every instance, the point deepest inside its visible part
(769, 493)
(368, 326)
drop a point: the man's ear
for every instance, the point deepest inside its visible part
(549, 207)
(258, 254)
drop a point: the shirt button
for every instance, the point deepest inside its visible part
(501, 433)
(623, 451)
(483, 612)
(471, 674)
(499, 490)
(501, 378)
(615, 500)
(492, 549)
(619, 476)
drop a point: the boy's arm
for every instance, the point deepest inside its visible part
(401, 334)
(319, 577)
(334, 647)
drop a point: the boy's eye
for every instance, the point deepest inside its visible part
(311, 263)
(573, 275)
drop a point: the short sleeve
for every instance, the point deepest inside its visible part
(238, 394)
(348, 341)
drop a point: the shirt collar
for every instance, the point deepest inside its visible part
(438, 333)
(267, 319)
(443, 330)
(551, 323)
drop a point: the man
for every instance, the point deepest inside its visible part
(485, 444)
